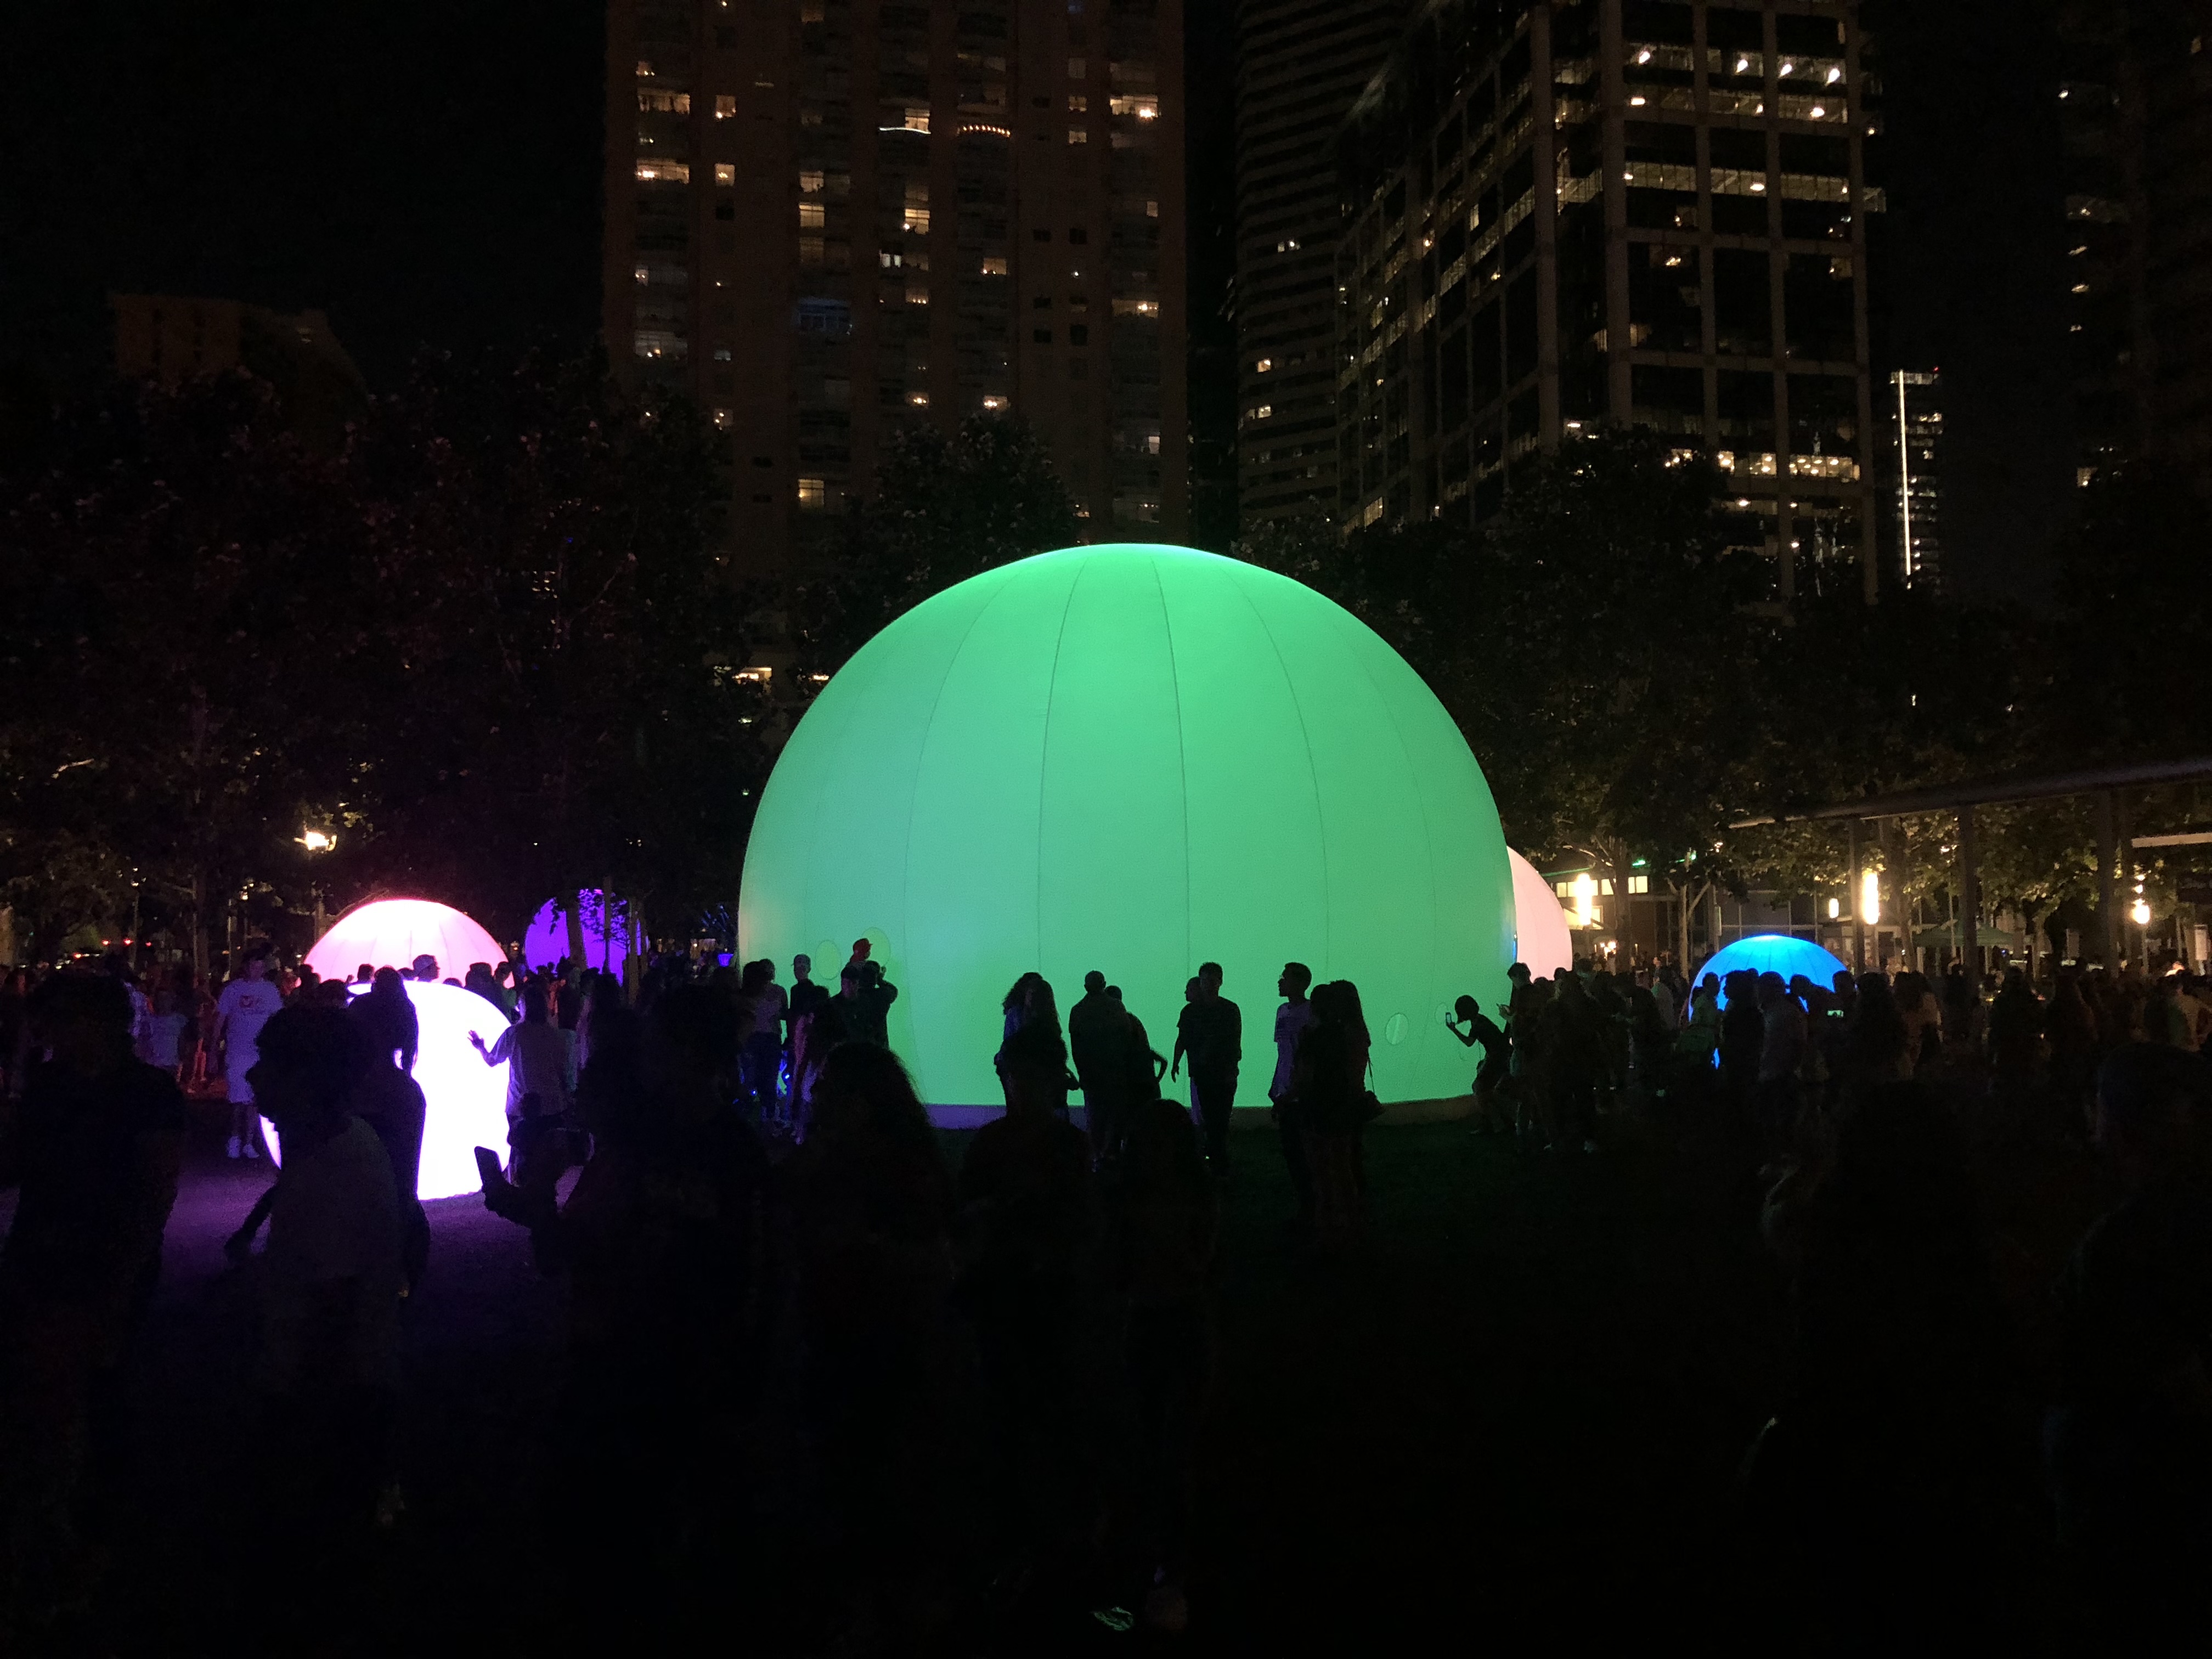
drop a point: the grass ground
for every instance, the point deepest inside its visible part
(1514, 1421)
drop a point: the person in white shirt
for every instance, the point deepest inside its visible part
(328, 1370)
(245, 1007)
(541, 1063)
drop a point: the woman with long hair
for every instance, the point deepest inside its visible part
(1330, 1083)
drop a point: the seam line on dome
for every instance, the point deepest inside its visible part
(1305, 736)
(1182, 755)
(1431, 973)
(1044, 749)
(928, 729)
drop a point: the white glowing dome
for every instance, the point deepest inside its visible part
(467, 1098)
(1538, 923)
(393, 933)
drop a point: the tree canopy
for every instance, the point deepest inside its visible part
(487, 640)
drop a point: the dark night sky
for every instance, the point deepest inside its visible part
(429, 173)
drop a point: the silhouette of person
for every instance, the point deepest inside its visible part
(93, 1148)
(1292, 1020)
(1099, 1038)
(1489, 1073)
(1028, 1208)
(1210, 1034)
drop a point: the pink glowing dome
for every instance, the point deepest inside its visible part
(1539, 924)
(608, 925)
(466, 1099)
(393, 933)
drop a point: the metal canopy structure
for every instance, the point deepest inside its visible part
(2105, 783)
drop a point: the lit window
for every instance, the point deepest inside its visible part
(658, 343)
(1263, 365)
(994, 265)
(813, 494)
(1638, 100)
(1263, 412)
(1835, 74)
(1818, 112)
(915, 218)
(2081, 288)
(725, 106)
(994, 402)
(809, 182)
(645, 68)
(666, 173)
(810, 215)
(1145, 109)
(667, 103)
(1639, 884)
(723, 418)
(726, 172)
(1078, 136)
(919, 399)
(643, 274)
(722, 354)
(1075, 69)
(917, 294)
(1645, 56)
(1152, 443)
(917, 118)
(1151, 210)
(1080, 104)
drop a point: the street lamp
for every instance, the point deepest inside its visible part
(318, 841)
(2139, 913)
(1584, 888)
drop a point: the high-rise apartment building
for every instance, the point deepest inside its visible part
(1911, 415)
(2135, 119)
(830, 220)
(1565, 213)
(1300, 66)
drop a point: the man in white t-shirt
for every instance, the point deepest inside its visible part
(240, 1011)
(328, 1370)
(541, 1062)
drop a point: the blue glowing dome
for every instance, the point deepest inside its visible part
(1775, 953)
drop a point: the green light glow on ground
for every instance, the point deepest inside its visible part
(1135, 758)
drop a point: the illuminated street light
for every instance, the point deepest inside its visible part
(2140, 912)
(318, 841)
(1835, 909)
(1584, 889)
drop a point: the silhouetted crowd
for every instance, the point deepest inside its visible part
(968, 1395)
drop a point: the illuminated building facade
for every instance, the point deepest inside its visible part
(829, 220)
(1635, 212)
(1910, 412)
(1300, 66)
(170, 338)
(2135, 119)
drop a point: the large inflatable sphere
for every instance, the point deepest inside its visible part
(393, 933)
(1540, 925)
(466, 1098)
(1135, 759)
(607, 931)
(1773, 953)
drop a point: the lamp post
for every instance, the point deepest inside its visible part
(317, 840)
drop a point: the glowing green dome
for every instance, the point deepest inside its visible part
(1135, 758)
